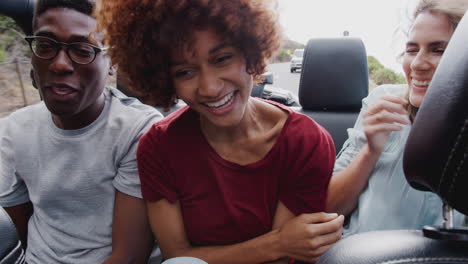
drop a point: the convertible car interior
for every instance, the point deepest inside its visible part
(333, 82)
(435, 160)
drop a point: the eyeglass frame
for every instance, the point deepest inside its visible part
(60, 45)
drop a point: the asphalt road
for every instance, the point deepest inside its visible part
(283, 78)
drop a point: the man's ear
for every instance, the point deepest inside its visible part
(31, 74)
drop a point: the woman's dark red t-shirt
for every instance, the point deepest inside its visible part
(222, 202)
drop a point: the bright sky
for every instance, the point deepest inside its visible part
(376, 22)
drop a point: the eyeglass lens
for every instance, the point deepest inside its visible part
(81, 53)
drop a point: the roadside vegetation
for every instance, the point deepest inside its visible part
(288, 47)
(12, 44)
(379, 74)
(16, 88)
(15, 56)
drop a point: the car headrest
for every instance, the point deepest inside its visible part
(334, 75)
(436, 154)
(21, 11)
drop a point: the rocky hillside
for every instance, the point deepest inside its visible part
(11, 95)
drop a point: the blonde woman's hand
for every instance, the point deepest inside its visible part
(306, 237)
(381, 118)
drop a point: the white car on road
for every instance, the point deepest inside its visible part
(296, 60)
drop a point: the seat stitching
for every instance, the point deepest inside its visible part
(424, 260)
(465, 155)
(21, 259)
(449, 159)
(382, 231)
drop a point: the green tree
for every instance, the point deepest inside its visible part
(3, 55)
(6, 22)
(387, 76)
(283, 56)
(373, 65)
(381, 75)
(11, 39)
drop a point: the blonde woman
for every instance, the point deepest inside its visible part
(368, 182)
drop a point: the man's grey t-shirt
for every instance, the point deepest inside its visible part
(71, 176)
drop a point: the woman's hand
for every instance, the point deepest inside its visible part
(384, 116)
(307, 236)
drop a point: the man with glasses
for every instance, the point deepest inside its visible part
(68, 175)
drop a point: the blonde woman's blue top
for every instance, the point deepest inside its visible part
(388, 201)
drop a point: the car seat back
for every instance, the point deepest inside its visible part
(11, 251)
(334, 80)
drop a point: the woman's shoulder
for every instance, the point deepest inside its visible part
(306, 132)
(270, 113)
(271, 109)
(296, 123)
(172, 125)
(297, 126)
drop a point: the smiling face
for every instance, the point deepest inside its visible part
(69, 90)
(211, 78)
(427, 41)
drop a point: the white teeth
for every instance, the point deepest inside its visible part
(421, 83)
(221, 102)
(62, 91)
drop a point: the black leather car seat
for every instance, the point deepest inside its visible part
(334, 80)
(436, 160)
(11, 251)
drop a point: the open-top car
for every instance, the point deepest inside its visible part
(440, 133)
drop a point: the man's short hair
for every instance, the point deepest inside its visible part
(83, 6)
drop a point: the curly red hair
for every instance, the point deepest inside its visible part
(142, 33)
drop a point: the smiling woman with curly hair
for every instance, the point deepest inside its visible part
(229, 178)
(142, 35)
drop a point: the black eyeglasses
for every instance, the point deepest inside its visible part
(47, 49)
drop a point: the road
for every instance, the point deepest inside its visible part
(283, 78)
